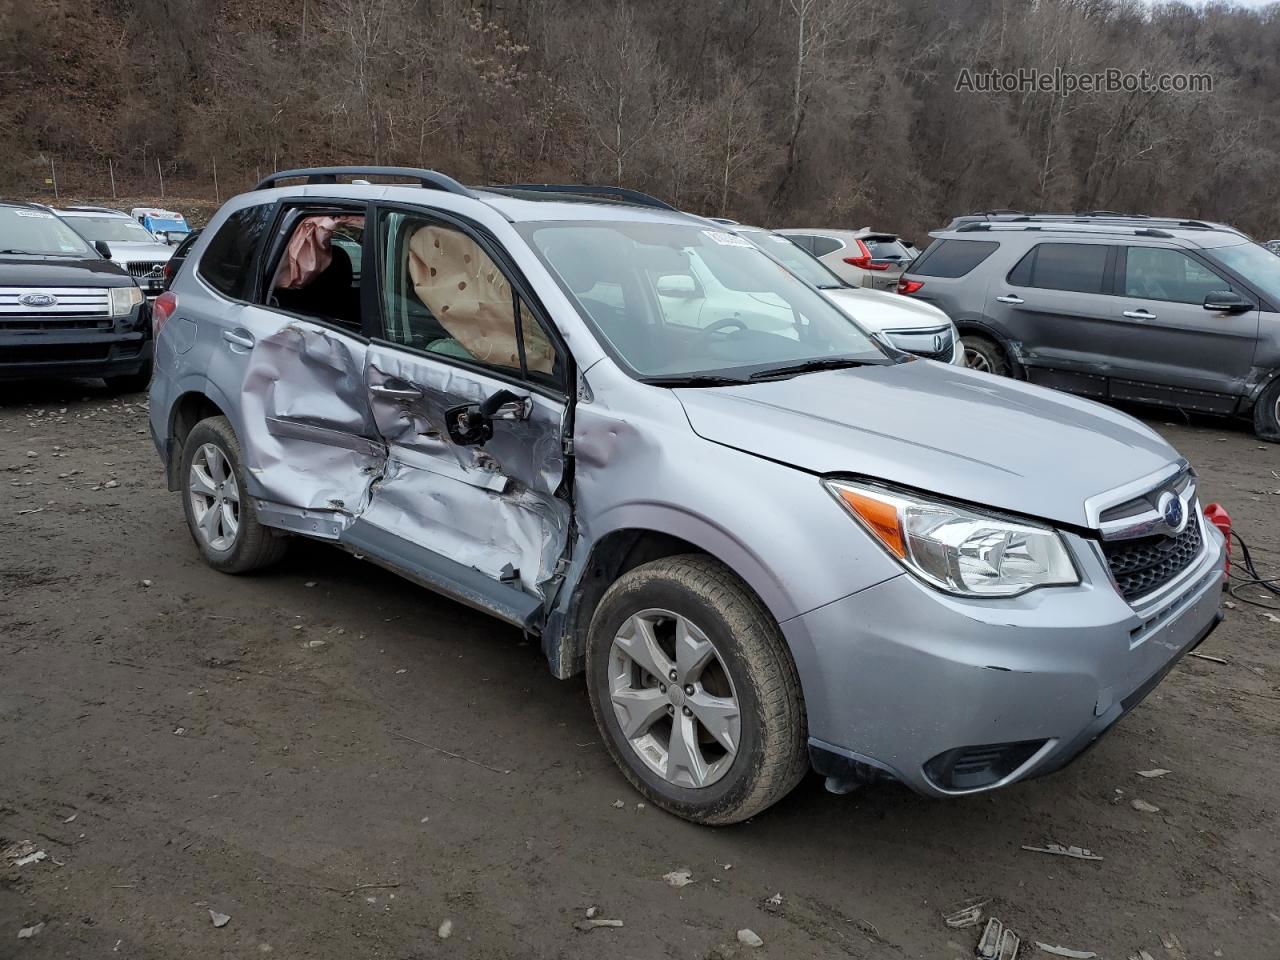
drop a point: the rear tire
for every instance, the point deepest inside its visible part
(734, 717)
(220, 513)
(1266, 413)
(984, 354)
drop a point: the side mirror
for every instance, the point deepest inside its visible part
(678, 286)
(1227, 301)
(103, 250)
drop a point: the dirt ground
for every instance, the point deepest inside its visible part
(341, 762)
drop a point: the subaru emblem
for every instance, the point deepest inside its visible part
(37, 300)
(1171, 510)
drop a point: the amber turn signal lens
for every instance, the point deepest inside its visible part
(880, 517)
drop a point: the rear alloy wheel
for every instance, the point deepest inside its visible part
(984, 354)
(1266, 413)
(695, 692)
(220, 515)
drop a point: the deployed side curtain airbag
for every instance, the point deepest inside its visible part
(309, 251)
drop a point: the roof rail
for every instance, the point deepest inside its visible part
(429, 179)
(615, 193)
(1021, 224)
(1113, 213)
(85, 208)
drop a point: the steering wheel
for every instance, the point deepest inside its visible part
(719, 326)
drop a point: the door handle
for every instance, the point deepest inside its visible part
(397, 393)
(239, 337)
(514, 409)
(1139, 315)
(1009, 298)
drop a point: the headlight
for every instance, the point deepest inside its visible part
(124, 299)
(956, 549)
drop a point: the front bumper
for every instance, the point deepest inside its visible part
(952, 696)
(105, 352)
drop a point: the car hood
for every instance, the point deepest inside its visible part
(17, 271)
(876, 310)
(940, 428)
(140, 252)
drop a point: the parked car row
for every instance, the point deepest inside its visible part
(768, 538)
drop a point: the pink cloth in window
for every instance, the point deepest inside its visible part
(310, 251)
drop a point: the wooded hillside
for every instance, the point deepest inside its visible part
(833, 112)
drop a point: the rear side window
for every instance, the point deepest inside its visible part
(803, 241)
(1078, 267)
(824, 245)
(227, 262)
(952, 258)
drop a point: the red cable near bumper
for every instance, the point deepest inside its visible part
(1217, 514)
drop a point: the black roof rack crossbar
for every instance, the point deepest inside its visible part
(616, 193)
(1113, 213)
(429, 179)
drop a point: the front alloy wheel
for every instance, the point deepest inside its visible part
(695, 691)
(673, 698)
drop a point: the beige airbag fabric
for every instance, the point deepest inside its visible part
(471, 298)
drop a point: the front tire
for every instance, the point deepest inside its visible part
(984, 354)
(695, 692)
(1266, 413)
(220, 514)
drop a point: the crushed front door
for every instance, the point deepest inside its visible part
(484, 517)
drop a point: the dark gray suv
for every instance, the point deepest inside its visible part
(1179, 313)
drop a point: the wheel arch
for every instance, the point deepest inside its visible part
(188, 409)
(984, 328)
(626, 546)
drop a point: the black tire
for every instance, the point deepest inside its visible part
(254, 545)
(772, 752)
(983, 353)
(1266, 413)
(130, 383)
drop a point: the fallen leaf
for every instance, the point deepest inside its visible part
(1143, 807)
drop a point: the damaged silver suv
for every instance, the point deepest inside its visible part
(771, 541)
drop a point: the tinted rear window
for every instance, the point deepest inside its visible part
(1078, 267)
(952, 258)
(228, 259)
(884, 248)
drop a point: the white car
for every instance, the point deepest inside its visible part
(130, 244)
(902, 322)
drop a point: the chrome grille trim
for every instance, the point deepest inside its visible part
(71, 302)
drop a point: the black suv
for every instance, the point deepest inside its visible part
(1180, 313)
(65, 309)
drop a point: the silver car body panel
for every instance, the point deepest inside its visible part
(892, 671)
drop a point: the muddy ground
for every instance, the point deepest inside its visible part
(274, 748)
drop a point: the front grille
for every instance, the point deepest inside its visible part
(52, 303)
(921, 342)
(1146, 564)
(148, 273)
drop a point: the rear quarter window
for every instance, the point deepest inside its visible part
(824, 245)
(227, 262)
(952, 258)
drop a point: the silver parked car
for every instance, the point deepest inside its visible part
(864, 257)
(769, 546)
(910, 325)
(128, 243)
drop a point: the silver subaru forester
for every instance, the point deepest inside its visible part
(771, 541)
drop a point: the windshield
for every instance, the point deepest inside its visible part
(1259, 266)
(110, 229)
(160, 226)
(40, 233)
(677, 300)
(805, 266)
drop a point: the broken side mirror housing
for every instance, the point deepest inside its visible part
(1226, 301)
